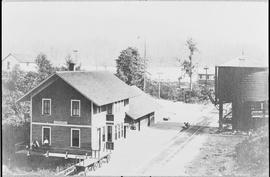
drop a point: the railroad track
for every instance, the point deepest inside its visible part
(176, 145)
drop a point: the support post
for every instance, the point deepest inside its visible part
(220, 114)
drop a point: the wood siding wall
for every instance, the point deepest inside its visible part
(238, 85)
(61, 94)
(254, 87)
(61, 136)
(228, 80)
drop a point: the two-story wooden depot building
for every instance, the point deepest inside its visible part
(79, 111)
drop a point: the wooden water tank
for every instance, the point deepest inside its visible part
(254, 86)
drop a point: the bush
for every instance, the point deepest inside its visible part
(10, 136)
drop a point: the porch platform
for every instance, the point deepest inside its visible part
(50, 154)
(91, 161)
(86, 162)
(70, 156)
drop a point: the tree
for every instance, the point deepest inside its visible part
(187, 65)
(15, 117)
(68, 61)
(45, 67)
(17, 84)
(131, 67)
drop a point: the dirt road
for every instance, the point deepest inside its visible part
(143, 157)
(180, 151)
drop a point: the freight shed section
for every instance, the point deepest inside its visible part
(247, 89)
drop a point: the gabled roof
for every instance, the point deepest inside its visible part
(142, 104)
(101, 87)
(21, 58)
(244, 61)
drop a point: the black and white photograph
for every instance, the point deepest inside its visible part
(135, 88)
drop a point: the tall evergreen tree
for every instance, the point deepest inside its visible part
(131, 67)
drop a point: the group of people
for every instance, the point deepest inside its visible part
(35, 145)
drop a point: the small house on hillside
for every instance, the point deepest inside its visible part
(142, 109)
(23, 61)
(79, 112)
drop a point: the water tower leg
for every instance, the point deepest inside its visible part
(220, 115)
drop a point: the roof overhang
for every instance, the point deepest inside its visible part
(136, 117)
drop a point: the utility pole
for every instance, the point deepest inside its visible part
(206, 68)
(144, 58)
(159, 73)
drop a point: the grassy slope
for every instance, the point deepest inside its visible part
(226, 155)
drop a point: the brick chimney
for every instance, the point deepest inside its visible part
(71, 66)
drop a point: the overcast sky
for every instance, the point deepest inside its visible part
(100, 30)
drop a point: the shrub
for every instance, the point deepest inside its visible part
(252, 153)
(11, 135)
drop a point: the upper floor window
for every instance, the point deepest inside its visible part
(126, 102)
(103, 108)
(46, 106)
(109, 109)
(75, 107)
(96, 109)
